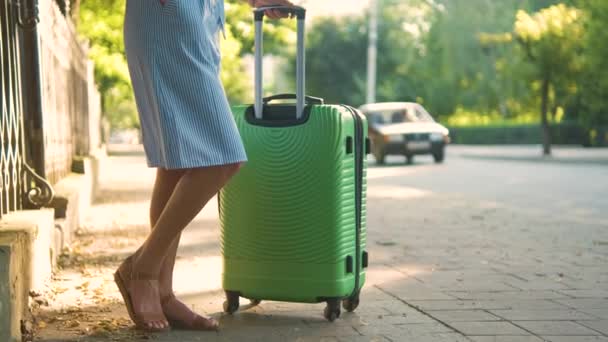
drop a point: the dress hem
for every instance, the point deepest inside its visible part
(194, 165)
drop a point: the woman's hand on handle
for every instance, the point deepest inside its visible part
(272, 14)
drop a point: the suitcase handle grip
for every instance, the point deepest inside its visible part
(298, 11)
(300, 59)
(309, 99)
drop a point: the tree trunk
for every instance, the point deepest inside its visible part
(75, 11)
(554, 109)
(105, 136)
(543, 116)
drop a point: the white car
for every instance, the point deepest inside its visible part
(404, 128)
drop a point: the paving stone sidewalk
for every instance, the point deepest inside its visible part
(443, 268)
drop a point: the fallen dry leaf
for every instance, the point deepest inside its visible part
(73, 309)
(72, 324)
(83, 285)
(59, 290)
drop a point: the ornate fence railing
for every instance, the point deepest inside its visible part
(50, 108)
(12, 166)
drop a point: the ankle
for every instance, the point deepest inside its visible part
(144, 269)
(165, 291)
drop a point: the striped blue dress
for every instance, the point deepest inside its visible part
(173, 54)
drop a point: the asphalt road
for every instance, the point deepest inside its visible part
(567, 190)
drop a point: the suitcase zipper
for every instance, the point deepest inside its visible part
(359, 153)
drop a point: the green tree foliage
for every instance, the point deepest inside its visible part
(472, 57)
(279, 38)
(595, 79)
(551, 40)
(279, 35)
(334, 63)
(337, 56)
(454, 56)
(101, 22)
(428, 51)
(461, 72)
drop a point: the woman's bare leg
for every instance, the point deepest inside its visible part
(174, 310)
(193, 190)
(166, 181)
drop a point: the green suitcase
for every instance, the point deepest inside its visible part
(293, 219)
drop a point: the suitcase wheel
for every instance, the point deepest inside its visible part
(255, 302)
(332, 310)
(351, 303)
(231, 305)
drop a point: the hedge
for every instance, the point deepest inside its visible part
(561, 134)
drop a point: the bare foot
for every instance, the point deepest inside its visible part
(141, 295)
(181, 317)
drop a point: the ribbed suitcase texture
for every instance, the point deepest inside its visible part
(289, 217)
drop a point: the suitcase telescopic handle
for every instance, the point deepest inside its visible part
(300, 13)
(309, 99)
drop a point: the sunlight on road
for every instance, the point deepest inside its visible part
(382, 172)
(397, 192)
(379, 274)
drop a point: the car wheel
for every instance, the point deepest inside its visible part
(380, 158)
(439, 156)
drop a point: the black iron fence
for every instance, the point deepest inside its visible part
(11, 133)
(50, 106)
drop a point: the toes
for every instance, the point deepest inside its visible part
(157, 325)
(210, 323)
